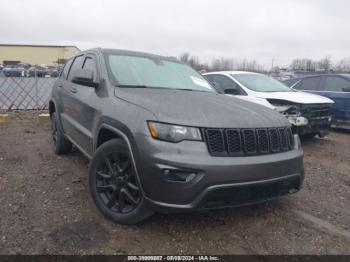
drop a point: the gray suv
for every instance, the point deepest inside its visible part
(159, 138)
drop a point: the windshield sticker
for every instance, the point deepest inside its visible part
(200, 82)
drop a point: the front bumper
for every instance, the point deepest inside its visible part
(319, 126)
(213, 182)
(311, 119)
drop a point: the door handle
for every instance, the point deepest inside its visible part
(73, 90)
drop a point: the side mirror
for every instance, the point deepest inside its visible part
(232, 91)
(84, 77)
(346, 89)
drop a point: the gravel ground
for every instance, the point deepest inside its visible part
(46, 207)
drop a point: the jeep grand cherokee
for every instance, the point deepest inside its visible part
(160, 138)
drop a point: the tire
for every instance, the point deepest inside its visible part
(308, 136)
(61, 144)
(114, 185)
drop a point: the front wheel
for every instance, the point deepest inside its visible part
(114, 186)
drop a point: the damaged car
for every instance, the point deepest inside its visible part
(309, 114)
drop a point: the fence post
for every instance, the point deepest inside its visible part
(36, 90)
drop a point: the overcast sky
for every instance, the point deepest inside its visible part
(251, 29)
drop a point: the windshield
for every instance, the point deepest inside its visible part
(261, 83)
(139, 71)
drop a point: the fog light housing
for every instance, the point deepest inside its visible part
(178, 175)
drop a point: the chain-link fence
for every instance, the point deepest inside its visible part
(25, 93)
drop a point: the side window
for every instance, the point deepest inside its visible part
(223, 82)
(310, 83)
(66, 68)
(336, 83)
(77, 64)
(89, 63)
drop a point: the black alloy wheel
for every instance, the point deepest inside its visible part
(116, 183)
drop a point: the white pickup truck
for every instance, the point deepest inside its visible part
(308, 113)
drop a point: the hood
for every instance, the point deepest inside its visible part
(295, 97)
(201, 109)
(257, 100)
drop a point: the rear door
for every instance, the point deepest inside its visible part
(69, 110)
(58, 87)
(333, 87)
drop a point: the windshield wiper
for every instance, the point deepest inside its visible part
(135, 86)
(193, 90)
(158, 87)
(185, 89)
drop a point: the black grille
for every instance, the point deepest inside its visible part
(239, 142)
(249, 141)
(274, 140)
(263, 140)
(216, 142)
(234, 144)
(316, 110)
(245, 194)
(284, 139)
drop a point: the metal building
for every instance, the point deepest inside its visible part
(36, 54)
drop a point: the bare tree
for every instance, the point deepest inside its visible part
(343, 65)
(221, 64)
(303, 64)
(249, 65)
(325, 63)
(193, 61)
(184, 57)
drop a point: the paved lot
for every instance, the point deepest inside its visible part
(46, 207)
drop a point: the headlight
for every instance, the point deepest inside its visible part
(281, 108)
(173, 133)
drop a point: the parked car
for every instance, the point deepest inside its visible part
(37, 71)
(308, 113)
(160, 138)
(14, 71)
(333, 86)
(53, 71)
